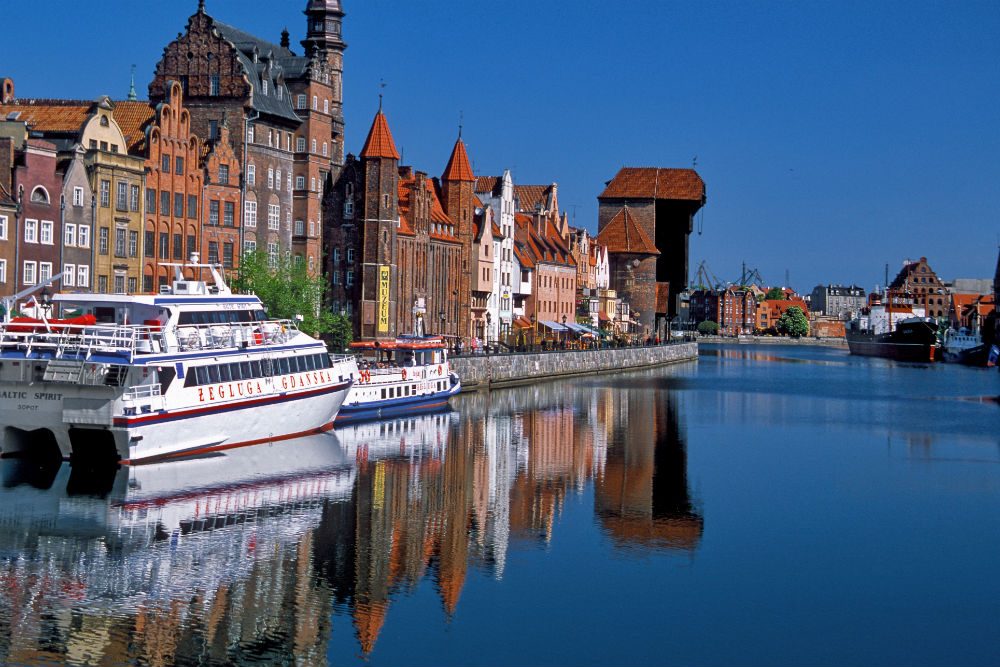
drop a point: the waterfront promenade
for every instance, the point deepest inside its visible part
(489, 371)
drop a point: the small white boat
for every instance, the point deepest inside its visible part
(960, 345)
(409, 375)
(192, 370)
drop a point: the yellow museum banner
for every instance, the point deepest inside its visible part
(383, 299)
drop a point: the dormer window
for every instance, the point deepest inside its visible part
(279, 92)
(263, 86)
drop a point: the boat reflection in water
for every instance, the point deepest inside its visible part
(242, 558)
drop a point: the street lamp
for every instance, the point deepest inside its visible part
(441, 315)
(489, 318)
(534, 330)
(46, 297)
(565, 335)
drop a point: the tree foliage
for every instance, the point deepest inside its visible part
(287, 290)
(776, 294)
(794, 322)
(341, 333)
(708, 328)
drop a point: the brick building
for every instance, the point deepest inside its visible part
(289, 111)
(174, 188)
(552, 299)
(631, 260)
(919, 281)
(221, 202)
(456, 186)
(662, 202)
(769, 311)
(734, 309)
(38, 189)
(8, 215)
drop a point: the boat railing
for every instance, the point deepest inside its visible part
(130, 339)
(141, 391)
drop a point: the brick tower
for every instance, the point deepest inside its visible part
(457, 185)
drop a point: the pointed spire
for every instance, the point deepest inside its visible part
(132, 97)
(201, 6)
(285, 42)
(379, 142)
(458, 168)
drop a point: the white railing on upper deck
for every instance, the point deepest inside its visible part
(74, 339)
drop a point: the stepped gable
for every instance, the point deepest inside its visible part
(379, 142)
(458, 168)
(624, 235)
(655, 183)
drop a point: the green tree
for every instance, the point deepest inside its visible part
(775, 293)
(341, 333)
(794, 322)
(287, 290)
(708, 328)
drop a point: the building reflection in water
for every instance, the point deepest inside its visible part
(241, 558)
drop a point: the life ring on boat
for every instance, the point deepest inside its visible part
(404, 373)
(366, 376)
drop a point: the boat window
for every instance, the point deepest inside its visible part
(213, 373)
(167, 375)
(310, 362)
(224, 374)
(283, 365)
(383, 393)
(245, 371)
(191, 379)
(104, 315)
(234, 372)
(324, 361)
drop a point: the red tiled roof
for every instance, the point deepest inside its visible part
(68, 116)
(458, 168)
(655, 183)
(961, 300)
(379, 142)
(496, 230)
(488, 183)
(624, 235)
(530, 196)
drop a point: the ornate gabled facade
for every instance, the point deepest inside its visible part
(79, 210)
(174, 189)
(662, 203)
(221, 202)
(497, 192)
(920, 281)
(289, 111)
(38, 190)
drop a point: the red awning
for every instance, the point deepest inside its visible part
(603, 317)
(522, 322)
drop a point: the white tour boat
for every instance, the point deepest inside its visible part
(191, 370)
(408, 375)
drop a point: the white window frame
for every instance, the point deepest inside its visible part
(3, 227)
(3, 270)
(83, 236)
(251, 174)
(273, 216)
(82, 275)
(45, 232)
(44, 272)
(30, 231)
(250, 213)
(69, 235)
(69, 275)
(270, 178)
(30, 277)
(277, 180)
(300, 182)
(77, 196)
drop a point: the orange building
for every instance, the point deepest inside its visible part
(173, 190)
(769, 311)
(220, 219)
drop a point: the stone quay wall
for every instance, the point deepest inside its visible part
(507, 370)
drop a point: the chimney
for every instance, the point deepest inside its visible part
(6, 163)
(7, 92)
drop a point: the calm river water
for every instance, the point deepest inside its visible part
(766, 505)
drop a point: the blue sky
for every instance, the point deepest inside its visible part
(833, 137)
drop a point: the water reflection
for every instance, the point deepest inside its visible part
(242, 558)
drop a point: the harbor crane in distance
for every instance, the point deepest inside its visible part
(705, 279)
(752, 277)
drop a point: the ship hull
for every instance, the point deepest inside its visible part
(916, 343)
(353, 412)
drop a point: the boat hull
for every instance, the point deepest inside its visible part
(398, 407)
(888, 347)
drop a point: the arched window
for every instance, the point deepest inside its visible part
(40, 195)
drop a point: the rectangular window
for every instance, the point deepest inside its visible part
(105, 193)
(77, 196)
(150, 201)
(82, 275)
(249, 133)
(273, 216)
(213, 212)
(83, 236)
(190, 245)
(250, 214)
(178, 205)
(46, 236)
(164, 245)
(348, 209)
(149, 244)
(228, 213)
(102, 284)
(324, 148)
(227, 254)
(300, 182)
(178, 247)
(133, 284)
(165, 164)
(69, 235)
(277, 180)
(249, 246)
(31, 231)
(336, 255)
(224, 174)
(300, 144)
(147, 284)
(350, 255)
(29, 273)
(119, 284)
(213, 252)
(179, 165)
(44, 271)
(288, 181)
(213, 84)
(121, 198)
(192, 206)
(350, 278)
(164, 203)
(326, 106)
(336, 277)
(133, 199)
(3, 227)
(272, 255)
(270, 178)
(3, 270)
(251, 174)
(300, 101)
(103, 242)
(120, 242)
(300, 228)
(133, 244)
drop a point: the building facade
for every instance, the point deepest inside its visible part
(919, 280)
(838, 300)
(221, 203)
(38, 191)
